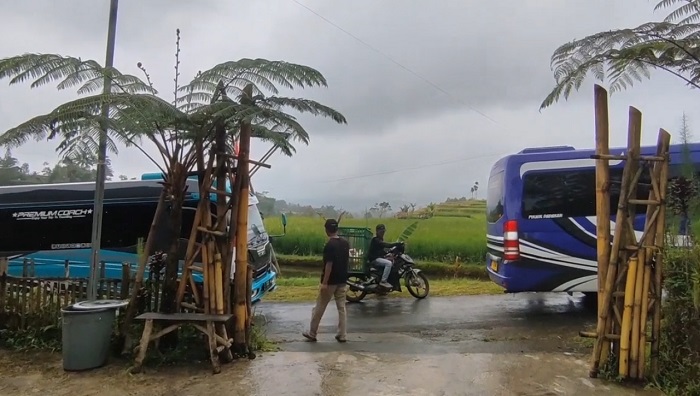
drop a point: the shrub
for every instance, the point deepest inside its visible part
(679, 360)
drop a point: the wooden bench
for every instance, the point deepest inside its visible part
(177, 320)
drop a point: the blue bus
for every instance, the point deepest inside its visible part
(52, 223)
(541, 216)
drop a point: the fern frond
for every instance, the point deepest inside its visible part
(625, 56)
(266, 74)
(84, 145)
(121, 83)
(261, 74)
(46, 68)
(304, 106)
(277, 138)
(687, 12)
(84, 115)
(69, 71)
(283, 120)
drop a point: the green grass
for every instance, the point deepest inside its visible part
(312, 264)
(302, 289)
(437, 239)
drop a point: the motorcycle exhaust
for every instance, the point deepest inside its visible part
(354, 285)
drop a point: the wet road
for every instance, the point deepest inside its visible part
(454, 317)
(481, 345)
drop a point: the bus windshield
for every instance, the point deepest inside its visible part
(256, 228)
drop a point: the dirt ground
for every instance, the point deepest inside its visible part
(495, 345)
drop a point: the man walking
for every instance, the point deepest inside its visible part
(336, 255)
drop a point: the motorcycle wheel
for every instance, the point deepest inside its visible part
(355, 295)
(418, 277)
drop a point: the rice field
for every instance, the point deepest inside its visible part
(456, 230)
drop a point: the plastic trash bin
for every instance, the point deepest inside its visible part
(86, 333)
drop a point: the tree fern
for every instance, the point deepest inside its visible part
(625, 56)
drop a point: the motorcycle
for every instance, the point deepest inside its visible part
(360, 285)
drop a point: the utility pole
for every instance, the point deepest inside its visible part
(102, 159)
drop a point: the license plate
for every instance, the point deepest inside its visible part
(494, 265)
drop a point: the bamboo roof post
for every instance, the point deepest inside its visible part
(241, 276)
(665, 141)
(602, 172)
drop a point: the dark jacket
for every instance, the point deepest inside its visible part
(376, 248)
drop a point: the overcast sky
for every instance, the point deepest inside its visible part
(434, 91)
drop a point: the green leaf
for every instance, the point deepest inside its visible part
(407, 232)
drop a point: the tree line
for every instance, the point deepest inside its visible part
(66, 170)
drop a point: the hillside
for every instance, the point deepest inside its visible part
(451, 208)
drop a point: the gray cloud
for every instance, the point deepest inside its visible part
(406, 141)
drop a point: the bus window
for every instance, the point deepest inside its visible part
(571, 193)
(494, 197)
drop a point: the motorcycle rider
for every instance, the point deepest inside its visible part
(377, 252)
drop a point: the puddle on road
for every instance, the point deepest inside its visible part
(341, 374)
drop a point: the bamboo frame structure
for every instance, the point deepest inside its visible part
(629, 270)
(212, 240)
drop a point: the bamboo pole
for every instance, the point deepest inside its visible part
(655, 194)
(249, 312)
(637, 320)
(664, 142)
(649, 240)
(219, 284)
(627, 317)
(221, 210)
(201, 214)
(604, 318)
(190, 255)
(233, 221)
(628, 236)
(602, 130)
(641, 289)
(141, 269)
(211, 272)
(641, 364)
(215, 246)
(241, 275)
